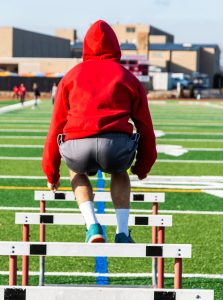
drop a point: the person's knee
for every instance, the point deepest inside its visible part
(74, 177)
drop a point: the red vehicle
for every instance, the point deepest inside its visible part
(138, 65)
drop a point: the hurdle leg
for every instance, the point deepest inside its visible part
(154, 241)
(161, 238)
(25, 259)
(12, 270)
(178, 273)
(42, 239)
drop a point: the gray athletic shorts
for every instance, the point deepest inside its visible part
(108, 152)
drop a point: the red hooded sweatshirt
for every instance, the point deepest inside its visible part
(98, 96)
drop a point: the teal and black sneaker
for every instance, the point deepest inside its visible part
(95, 234)
(122, 238)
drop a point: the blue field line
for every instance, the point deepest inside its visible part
(101, 263)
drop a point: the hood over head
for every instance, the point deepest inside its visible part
(100, 42)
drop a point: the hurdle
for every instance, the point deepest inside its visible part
(100, 293)
(157, 235)
(27, 219)
(176, 251)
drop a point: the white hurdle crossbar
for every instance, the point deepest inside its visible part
(98, 196)
(14, 249)
(160, 221)
(95, 249)
(101, 293)
(157, 234)
(104, 219)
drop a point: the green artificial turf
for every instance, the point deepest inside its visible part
(182, 122)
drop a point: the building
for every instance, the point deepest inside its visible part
(141, 36)
(66, 33)
(186, 58)
(161, 51)
(29, 52)
(23, 43)
(26, 52)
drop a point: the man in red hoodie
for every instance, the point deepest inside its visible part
(90, 129)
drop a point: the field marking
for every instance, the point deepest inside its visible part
(17, 106)
(174, 150)
(29, 177)
(212, 105)
(109, 210)
(179, 184)
(188, 161)
(23, 130)
(157, 178)
(129, 275)
(31, 121)
(22, 137)
(205, 149)
(19, 158)
(216, 193)
(26, 188)
(186, 124)
(150, 178)
(192, 140)
(20, 146)
(158, 160)
(163, 139)
(193, 133)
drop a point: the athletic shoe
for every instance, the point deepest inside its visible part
(122, 238)
(95, 234)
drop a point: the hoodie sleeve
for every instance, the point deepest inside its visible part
(51, 156)
(146, 152)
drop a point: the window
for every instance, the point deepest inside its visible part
(130, 29)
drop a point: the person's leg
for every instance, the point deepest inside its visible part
(84, 195)
(120, 192)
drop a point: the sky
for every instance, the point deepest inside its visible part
(190, 21)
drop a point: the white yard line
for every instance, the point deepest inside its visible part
(202, 183)
(193, 140)
(213, 105)
(23, 130)
(159, 160)
(17, 106)
(41, 146)
(189, 161)
(39, 121)
(20, 146)
(19, 158)
(149, 179)
(181, 212)
(22, 137)
(206, 149)
(28, 177)
(92, 274)
(200, 124)
(193, 133)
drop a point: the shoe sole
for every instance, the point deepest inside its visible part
(96, 239)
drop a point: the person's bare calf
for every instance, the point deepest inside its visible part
(81, 187)
(84, 195)
(120, 190)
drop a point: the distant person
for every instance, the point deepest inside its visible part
(191, 91)
(91, 129)
(36, 93)
(15, 92)
(53, 92)
(22, 93)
